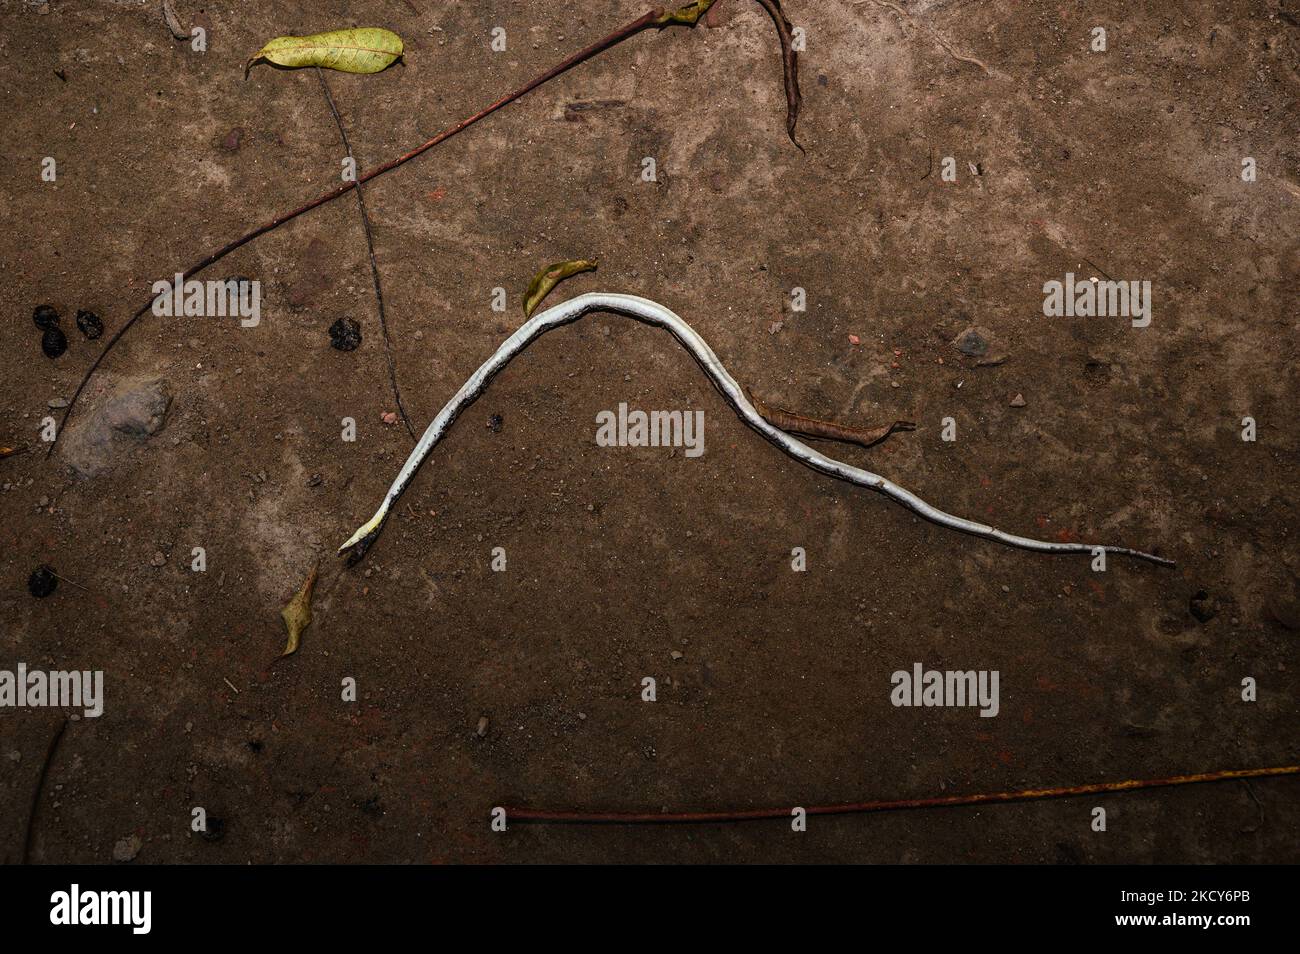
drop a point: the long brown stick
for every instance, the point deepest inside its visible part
(644, 22)
(854, 808)
(374, 264)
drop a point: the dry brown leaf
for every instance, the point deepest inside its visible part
(297, 615)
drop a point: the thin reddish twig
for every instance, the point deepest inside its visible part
(854, 808)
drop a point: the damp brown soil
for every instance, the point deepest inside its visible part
(773, 687)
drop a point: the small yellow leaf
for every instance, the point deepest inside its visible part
(549, 277)
(297, 615)
(688, 15)
(360, 50)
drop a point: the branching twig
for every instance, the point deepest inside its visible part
(374, 265)
(40, 787)
(653, 19)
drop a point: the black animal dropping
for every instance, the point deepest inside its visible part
(45, 316)
(54, 342)
(345, 334)
(42, 582)
(90, 324)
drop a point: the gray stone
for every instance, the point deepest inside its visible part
(139, 412)
(131, 415)
(127, 848)
(974, 342)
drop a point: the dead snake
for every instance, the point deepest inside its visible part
(650, 313)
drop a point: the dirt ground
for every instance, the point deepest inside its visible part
(773, 686)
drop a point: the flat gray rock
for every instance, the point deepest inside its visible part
(135, 412)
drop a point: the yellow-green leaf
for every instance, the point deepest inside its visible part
(297, 615)
(549, 277)
(688, 15)
(360, 50)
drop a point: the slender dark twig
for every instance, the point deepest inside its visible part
(374, 265)
(40, 787)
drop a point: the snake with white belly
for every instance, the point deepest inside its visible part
(651, 313)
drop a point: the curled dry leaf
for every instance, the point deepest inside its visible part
(549, 277)
(173, 22)
(297, 615)
(360, 50)
(803, 426)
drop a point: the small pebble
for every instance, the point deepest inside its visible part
(1018, 401)
(481, 729)
(158, 559)
(973, 342)
(127, 848)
